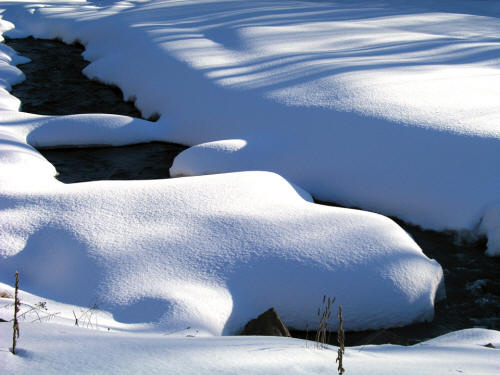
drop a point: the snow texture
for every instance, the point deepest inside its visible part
(55, 346)
(209, 252)
(389, 106)
(56, 349)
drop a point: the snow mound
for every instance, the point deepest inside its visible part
(212, 252)
(80, 130)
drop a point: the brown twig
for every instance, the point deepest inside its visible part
(341, 340)
(15, 325)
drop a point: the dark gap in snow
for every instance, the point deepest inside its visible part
(147, 161)
(472, 288)
(55, 85)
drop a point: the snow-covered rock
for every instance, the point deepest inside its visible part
(208, 252)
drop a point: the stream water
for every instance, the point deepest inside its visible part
(55, 85)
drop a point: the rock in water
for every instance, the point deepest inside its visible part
(267, 324)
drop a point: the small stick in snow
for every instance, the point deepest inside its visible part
(15, 325)
(341, 339)
(76, 319)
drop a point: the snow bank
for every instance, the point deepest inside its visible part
(55, 349)
(9, 74)
(388, 106)
(211, 252)
(80, 130)
(208, 252)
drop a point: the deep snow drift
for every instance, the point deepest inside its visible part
(388, 106)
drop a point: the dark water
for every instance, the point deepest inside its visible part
(147, 161)
(55, 85)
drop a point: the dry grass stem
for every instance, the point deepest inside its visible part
(324, 314)
(341, 340)
(15, 324)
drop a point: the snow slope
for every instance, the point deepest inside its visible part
(55, 349)
(55, 346)
(389, 106)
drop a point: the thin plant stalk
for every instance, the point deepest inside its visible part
(15, 324)
(341, 341)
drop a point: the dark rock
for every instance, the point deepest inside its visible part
(490, 345)
(267, 324)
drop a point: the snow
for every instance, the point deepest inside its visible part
(9, 74)
(210, 252)
(389, 107)
(56, 349)
(101, 345)
(334, 96)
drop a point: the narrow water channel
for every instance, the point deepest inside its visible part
(55, 85)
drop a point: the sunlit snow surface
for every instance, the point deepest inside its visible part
(100, 345)
(53, 349)
(209, 251)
